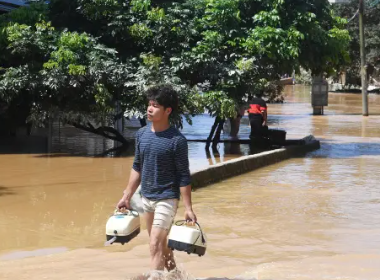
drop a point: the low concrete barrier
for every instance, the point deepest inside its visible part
(221, 171)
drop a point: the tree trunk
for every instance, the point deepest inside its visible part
(216, 122)
(235, 125)
(216, 139)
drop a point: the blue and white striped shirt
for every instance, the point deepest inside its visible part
(162, 159)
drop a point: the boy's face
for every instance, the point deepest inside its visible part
(157, 112)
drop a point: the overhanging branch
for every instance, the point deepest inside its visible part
(104, 131)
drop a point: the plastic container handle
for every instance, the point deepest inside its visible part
(198, 226)
(127, 212)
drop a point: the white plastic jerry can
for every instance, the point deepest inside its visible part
(183, 237)
(122, 226)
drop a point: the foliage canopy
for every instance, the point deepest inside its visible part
(84, 57)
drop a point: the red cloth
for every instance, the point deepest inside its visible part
(256, 109)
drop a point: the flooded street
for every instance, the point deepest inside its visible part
(304, 219)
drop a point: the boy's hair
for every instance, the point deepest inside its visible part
(164, 95)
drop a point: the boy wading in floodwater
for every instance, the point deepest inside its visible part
(161, 165)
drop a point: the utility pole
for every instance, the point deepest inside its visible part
(363, 71)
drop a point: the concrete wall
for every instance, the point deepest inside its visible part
(23, 145)
(241, 165)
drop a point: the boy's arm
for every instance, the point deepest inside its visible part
(134, 179)
(186, 195)
(184, 178)
(134, 182)
(135, 176)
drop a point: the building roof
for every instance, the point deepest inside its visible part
(9, 5)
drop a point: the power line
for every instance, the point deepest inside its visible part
(374, 4)
(354, 16)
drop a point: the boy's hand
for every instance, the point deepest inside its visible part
(190, 216)
(124, 203)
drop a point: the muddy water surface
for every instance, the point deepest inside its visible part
(304, 218)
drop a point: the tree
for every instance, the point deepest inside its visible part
(230, 49)
(62, 71)
(226, 50)
(15, 111)
(372, 44)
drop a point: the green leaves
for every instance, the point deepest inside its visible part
(140, 5)
(13, 81)
(75, 73)
(218, 103)
(218, 13)
(217, 53)
(270, 18)
(341, 14)
(140, 31)
(102, 95)
(99, 9)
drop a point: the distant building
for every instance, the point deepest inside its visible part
(9, 5)
(338, 1)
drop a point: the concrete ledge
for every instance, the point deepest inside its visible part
(221, 171)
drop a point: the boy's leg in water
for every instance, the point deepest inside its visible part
(161, 255)
(169, 257)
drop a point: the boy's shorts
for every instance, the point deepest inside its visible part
(164, 211)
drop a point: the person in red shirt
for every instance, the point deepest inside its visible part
(258, 115)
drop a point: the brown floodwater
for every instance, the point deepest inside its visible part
(305, 218)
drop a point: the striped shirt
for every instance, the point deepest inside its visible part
(162, 160)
